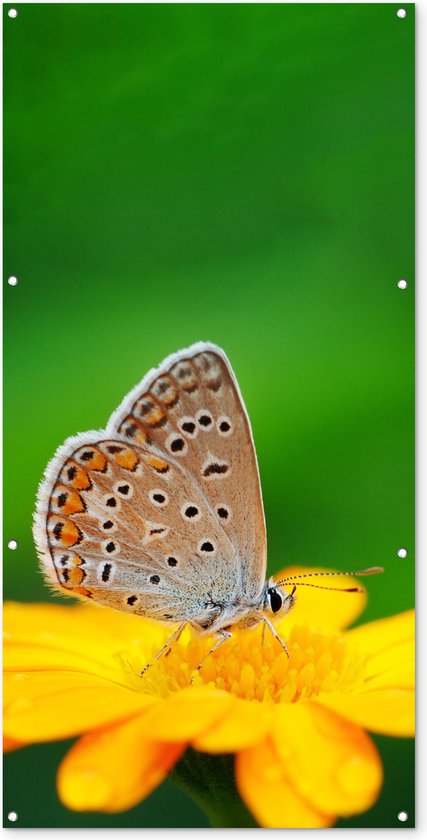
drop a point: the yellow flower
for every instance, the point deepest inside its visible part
(297, 725)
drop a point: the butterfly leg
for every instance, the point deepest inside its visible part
(276, 635)
(263, 633)
(166, 648)
(224, 634)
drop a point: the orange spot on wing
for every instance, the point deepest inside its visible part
(133, 429)
(73, 501)
(127, 459)
(158, 464)
(75, 476)
(76, 560)
(63, 532)
(98, 462)
(155, 415)
(70, 534)
(80, 590)
(75, 576)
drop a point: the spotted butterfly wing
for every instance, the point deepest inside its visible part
(192, 409)
(132, 520)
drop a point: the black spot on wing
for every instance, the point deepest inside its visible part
(215, 469)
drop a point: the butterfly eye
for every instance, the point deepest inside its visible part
(275, 600)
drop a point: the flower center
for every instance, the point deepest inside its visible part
(257, 669)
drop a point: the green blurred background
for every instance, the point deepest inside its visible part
(237, 173)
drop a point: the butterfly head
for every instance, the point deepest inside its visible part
(277, 601)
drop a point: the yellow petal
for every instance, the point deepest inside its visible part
(186, 714)
(83, 638)
(43, 706)
(378, 635)
(265, 787)
(244, 724)
(29, 657)
(332, 763)
(113, 769)
(389, 711)
(389, 644)
(392, 668)
(327, 610)
(73, 623)
(385, 701)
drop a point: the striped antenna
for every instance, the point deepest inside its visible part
(374, 570)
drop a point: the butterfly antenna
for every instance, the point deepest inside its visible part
(332, 588)
(374, 570)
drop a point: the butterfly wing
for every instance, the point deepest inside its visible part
(161, 514)
(191, 409)
(125, 526)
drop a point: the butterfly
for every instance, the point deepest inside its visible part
(161, 513)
